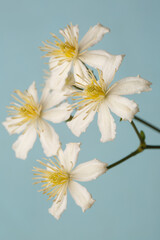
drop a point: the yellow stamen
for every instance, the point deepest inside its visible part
(26, 109)
(92, 91)
(63, 51)
(55, 178)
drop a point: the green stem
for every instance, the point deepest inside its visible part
(152, 147)
(140, 149)
(147, 124)
(123, 159)
(136, 130)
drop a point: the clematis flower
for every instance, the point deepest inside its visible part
(28, 116)
(97, 96)
(72, 56)
(61, 175)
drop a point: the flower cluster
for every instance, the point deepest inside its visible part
(70, 77)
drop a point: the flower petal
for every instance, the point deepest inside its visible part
(89, 170)
(61, 158)
(12, 125)
(70, 33)
(93, 36)
(99, 58)
(81, 120)
(59, 73)
(32, 90)
(57, 114)
(80, 70)
(25, 142)
(123, 107)
(69, 85)
(45, 92)
(58, 65)
(49, 139)
(106, 123)
(54, 98)
(110, 67)
(130, 85)
(59, 205)
(70, 155)
(81, 196)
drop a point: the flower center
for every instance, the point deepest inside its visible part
(55, 177)
(62, 51)
(58, 176)
(66, 49)
(26, 109)
(92, 91)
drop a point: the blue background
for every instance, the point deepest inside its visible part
(128, 197)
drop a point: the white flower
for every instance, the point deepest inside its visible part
(29, 115)
(70, 54)
(97, 96)
(60, 176)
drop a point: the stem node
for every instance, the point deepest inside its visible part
(142, 147)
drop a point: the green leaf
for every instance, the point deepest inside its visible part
(143, 137)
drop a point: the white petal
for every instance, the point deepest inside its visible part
(69, 85)
(54, 98)
(32, 90)
(70, 155)
(110, 67)
(12, 126)
(58, 114)
(89, 170)
(49, 139)
(81, 196)
(54, 66)
(61, 158)
(24, 143)
(80, 70)
(58, 65)
(98, 58)
(70, 33)
(59, 205)
(58, 74)
(106, 123)
(45, 92)
(81, 120)
(58, 69)
(123, 107)
(130, 85)
(93, 36)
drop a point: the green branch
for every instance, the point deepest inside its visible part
(123, 159)
(147, 124)
(141, 148)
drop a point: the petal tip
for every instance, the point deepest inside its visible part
(123, 55)
(56, 216)
(89, 205)
(105, 28)
(103, 140)
(20, 155)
